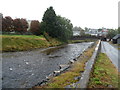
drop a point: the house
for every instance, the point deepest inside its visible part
(76, 33)
(92, 32)
(104, 32)
(96, 32)
(116, 39)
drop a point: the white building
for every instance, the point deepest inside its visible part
(29, 22)
(92, 32)
(76, 33)
(95, 32)
(104, 31)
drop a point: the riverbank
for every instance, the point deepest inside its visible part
(104, 74)
(12, 43)
(72, 75)
(26, 69)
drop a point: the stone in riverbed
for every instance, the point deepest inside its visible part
(56, 73)
(10, 68)
(75, 59)
(26, 63)
(63, 66)
(71, 61)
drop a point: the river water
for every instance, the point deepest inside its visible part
(27, 68)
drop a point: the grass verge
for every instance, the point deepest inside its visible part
(25, 42)
(68, 77)
(104, 74)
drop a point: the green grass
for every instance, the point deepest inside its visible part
(24, 36)
(104, 73)
(25, 42)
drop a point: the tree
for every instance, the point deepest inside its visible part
(7, 24)
(64, 28)
(24, 25)
(17, 25)
(111, 33)
(56, 26)
(82, 32)
(20, 25)
(48, 23)
(86, 29)
(35, 27)
(99, 29)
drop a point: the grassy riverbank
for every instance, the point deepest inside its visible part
(104, 74)
(25, 42)
(11, 43)
(68, 77)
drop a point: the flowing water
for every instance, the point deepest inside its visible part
(27, 68)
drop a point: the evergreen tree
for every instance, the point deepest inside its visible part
(48, 23)
(64, 28)
(56, 26)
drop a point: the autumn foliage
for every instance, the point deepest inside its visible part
(16, 25)
(7, 24)
(20, 25)
(35, 27)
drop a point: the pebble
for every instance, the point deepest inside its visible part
(32, 74)
(56, 73)
(75, 59)
(19, 65)
(10, 69)
(71, 61)
(26, 63)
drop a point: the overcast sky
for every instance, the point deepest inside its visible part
(83, 13)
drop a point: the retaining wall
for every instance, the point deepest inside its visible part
(83, 82)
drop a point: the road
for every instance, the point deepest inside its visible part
(26, 69)
(112, 53)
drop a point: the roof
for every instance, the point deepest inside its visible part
(117, 36)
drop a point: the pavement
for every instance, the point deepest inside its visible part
(112, 52)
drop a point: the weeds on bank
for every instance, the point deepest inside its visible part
(104, 74)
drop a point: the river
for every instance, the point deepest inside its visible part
(27, 68)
